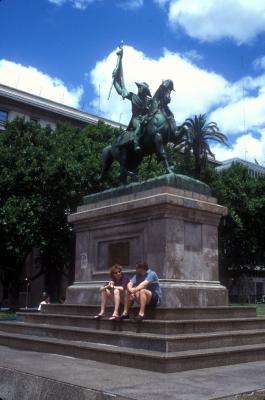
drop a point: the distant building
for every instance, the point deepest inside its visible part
(16, 103)
(254, 169)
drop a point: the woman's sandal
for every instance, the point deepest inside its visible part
(114, 318)
(99, 316)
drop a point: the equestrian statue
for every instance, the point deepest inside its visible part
(151, 127)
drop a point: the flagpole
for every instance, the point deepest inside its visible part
(119, 54)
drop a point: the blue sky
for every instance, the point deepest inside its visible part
(213, 50)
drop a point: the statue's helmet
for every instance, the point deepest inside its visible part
(145, 87)
(168, 84)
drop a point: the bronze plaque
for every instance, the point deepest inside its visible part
(193, 236)
(119, 253)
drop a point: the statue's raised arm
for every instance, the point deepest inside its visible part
(117, 74)
(140, 101)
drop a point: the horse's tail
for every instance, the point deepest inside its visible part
(107, 160)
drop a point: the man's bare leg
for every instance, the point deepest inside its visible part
(145, 298)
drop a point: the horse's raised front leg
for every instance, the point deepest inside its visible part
(161, 152)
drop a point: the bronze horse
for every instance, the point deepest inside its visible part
(158, 129)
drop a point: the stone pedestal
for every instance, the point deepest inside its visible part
(171, 222)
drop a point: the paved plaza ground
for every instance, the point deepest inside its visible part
(39, 374)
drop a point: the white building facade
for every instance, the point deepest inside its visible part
(254, 169)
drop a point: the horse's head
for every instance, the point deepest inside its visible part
(163, 93)
(168, 85)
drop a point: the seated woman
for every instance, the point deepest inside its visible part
(115, 291)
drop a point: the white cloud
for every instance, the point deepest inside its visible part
(193, 55)
(197, 90)
(79, 4)
(30, 80)
(259, 63)
(245, 113)
(210, 20)
(57, 2)
(237, 107)
(131, 4)
(246, 147)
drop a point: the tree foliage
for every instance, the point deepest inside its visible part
(198, 135)
(43, 176)
(242, 231)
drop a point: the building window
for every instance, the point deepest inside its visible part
(3, 117)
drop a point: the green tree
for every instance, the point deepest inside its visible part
(242, 231)
(20, 208)
(43, 176)
(199, 134)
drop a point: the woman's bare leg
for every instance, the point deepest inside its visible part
(127, 303)
(117, 300)
(105, 296)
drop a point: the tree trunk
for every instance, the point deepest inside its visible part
(197, 167)
(13, 294)
(14, 276)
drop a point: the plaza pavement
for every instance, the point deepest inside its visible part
(40, 376)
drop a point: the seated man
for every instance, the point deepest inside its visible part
(144, 288)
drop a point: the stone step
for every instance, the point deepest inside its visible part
(160, 313)
(147, 341)
(135, 358)
(147, 326)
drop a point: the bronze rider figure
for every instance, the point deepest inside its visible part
(140, 101)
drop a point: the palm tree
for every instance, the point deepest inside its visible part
(198, 133)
